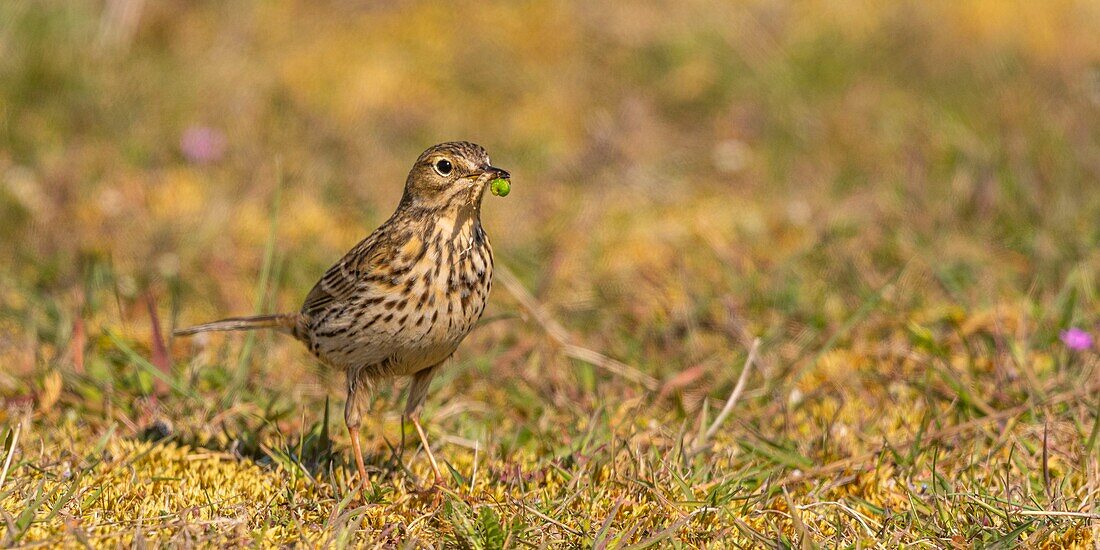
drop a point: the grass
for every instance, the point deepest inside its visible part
(896, 199)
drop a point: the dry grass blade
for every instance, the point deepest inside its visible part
(608, 364)
(1053, 513)
(799, 525)
(859, 517)
(11, 453)
(735, 395)
(159, 356)
(77, 343)
(549, 519)
(558, 333)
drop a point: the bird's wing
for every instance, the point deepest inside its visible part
(343, 279)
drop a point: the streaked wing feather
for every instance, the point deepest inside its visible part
(342, 279)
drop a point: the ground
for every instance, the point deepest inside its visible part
(897, 201)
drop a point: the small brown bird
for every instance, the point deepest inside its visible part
(401, 301)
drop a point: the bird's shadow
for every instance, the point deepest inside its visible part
(310, 452)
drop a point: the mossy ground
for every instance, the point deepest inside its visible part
(899, 200)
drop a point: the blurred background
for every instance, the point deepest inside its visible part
(877, 190)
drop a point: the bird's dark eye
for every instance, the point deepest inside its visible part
(443, 166)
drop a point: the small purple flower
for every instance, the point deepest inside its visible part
(202, 144)
(1076, 339)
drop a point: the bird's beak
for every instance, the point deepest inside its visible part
(494, 173)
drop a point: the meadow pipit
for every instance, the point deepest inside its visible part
(400, 302)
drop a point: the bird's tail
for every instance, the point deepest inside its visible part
(283, 322)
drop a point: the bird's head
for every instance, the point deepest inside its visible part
(451, 176)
